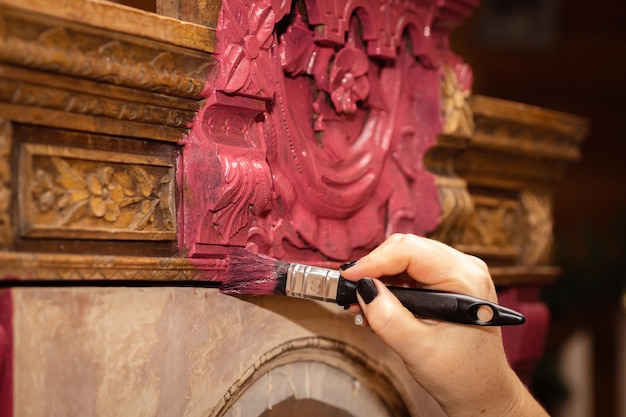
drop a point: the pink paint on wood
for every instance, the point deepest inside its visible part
(6, 354)
(312, 140)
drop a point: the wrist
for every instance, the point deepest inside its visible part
(508, 397)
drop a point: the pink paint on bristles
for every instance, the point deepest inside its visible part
(254, 274)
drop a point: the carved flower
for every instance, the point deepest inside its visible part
(455, 90)
(106, 194)
(247, 37)
(348, 79)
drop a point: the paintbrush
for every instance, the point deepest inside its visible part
(255, 274)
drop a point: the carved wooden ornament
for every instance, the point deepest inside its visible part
(315, 128)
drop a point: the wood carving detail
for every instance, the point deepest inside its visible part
(538, 218)
(6, 234)
(331, 156)
(59, 48)
(494, 226)
(20, 93)
(74, 192)
(456, 89)
(457, 205)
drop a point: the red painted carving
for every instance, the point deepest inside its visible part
(314, 132)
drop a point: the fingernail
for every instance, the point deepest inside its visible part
(348, 265)
(367, 289)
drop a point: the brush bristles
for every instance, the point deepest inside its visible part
(252, 273)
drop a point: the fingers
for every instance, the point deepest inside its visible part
(431, 263)
(387, 317)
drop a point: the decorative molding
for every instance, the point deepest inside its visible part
(71, 192)
(6, 232)
(337, 354)
(70, 267)
(517, 145)
(516, 155)
(28, 94)
(57, 46)
(27, 266)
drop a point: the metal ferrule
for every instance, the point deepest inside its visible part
(312, 282)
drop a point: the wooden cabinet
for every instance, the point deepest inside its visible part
(136, 148)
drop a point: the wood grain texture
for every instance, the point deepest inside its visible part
(119, 18)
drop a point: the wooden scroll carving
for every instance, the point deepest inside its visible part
(316, 126)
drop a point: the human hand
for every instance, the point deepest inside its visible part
(463, 367)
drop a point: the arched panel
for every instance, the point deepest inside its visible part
(328, 372)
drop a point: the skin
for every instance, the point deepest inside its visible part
(463, 367)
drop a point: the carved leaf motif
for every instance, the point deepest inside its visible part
(244, 192)
(262, 20)
(297, 50)
(145, 181)
(68, 177)
(164, 202)
(74, 213)
(144, 215)
(238, 69)
(244, 65)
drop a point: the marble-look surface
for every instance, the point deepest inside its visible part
(168, 351)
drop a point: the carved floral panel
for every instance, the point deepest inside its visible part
(80, 193)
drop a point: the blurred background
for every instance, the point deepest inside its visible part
(571, 56)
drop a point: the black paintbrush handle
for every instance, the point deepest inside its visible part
(442, 305)
(457, 308)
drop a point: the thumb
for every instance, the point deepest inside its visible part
(387, 317)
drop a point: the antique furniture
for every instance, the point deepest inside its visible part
(136, 147)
